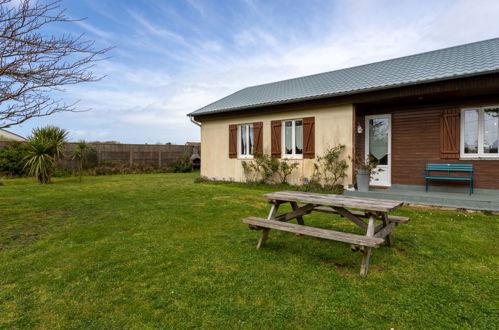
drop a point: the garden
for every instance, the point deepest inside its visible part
(47, 154)
(159, 250)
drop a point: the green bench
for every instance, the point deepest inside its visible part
(449, 168)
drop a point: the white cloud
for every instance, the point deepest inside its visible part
(152, 99)
(155, 29)
(211, 46)
(96, 31)
(197, 5)
(468, 20)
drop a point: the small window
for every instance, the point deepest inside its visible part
(246, 140)
(480, 132)
(293, 138)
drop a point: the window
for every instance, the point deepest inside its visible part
(293, 138)
(246, 140)
(480, 132)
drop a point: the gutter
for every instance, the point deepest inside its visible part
(193, 121)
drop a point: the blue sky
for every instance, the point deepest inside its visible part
(174, 56)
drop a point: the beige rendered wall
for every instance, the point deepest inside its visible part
(333, 126)
(8, 136)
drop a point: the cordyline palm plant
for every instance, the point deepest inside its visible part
(80, 154)
(55, 136)
(39, 160)
(45, 148)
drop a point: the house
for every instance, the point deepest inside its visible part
(435, 107)
(9, 136)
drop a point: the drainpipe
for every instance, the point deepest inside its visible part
(194, 122)
(194, 149)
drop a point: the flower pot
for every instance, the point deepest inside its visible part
(362, 180)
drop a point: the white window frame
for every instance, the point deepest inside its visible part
(293, 155)
(481, 123)
(386, 170)
(239, 138)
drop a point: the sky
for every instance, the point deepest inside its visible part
(172, 57)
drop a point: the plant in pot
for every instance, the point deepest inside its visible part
(366, 169)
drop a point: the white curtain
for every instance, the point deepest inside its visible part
(243, 139)
(491, 131)
(250, 142)
(288, 137)
(471, 131)
(299, 137)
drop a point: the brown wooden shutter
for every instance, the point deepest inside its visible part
(450, 125)
(309, 137)
(232, 141)
(275, 132)
(258, 137)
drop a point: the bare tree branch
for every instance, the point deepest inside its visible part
(33, 65)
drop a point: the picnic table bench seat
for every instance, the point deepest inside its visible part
(315, 232)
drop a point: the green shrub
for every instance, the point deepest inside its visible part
(12, 159)
(165, 169)
(183, 164)
(284, 169)
(330, 170)
(109, 167)
(312, 186)
(62, 172)
(142, 169)
(265, 169)
(249, 172)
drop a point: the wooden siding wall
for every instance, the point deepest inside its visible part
(416, 142)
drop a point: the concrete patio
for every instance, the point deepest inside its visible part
(482, 199)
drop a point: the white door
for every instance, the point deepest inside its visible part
(378, 146)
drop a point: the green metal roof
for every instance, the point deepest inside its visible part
(448, 63)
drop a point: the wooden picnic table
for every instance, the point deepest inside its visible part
(303, 203)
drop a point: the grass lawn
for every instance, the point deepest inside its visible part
(143, 251)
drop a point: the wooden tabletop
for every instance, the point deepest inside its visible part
(367, 204)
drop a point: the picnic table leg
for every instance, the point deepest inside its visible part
(265, 231)
(389, 237)
(364, 267)
(299, 219)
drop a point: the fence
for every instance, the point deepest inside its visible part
(153, 155)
